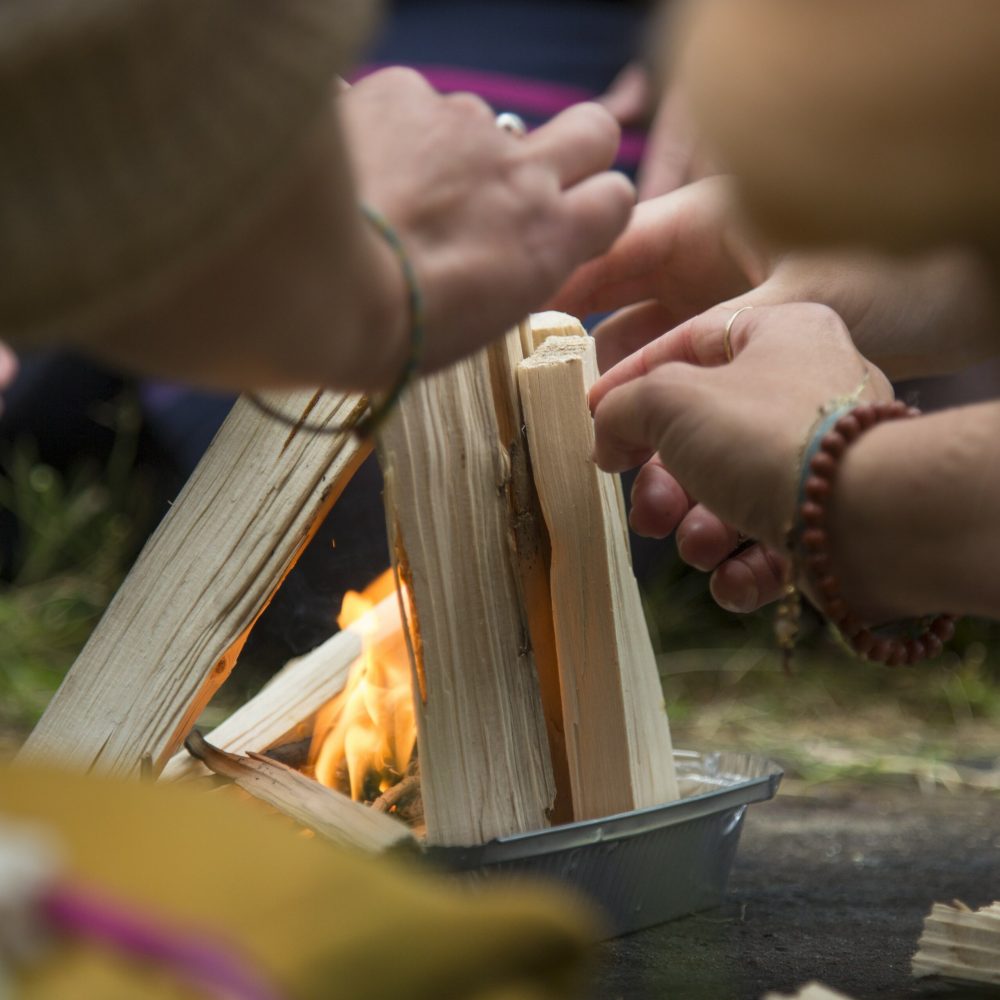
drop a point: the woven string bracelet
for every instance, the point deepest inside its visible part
(899, 643)
(376, 414)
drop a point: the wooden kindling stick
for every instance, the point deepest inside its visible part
(617, 734)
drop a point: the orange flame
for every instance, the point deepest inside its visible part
(363, 740)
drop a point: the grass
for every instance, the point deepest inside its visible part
(78, 533)
(832, 719)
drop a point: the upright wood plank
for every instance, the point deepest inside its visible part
(617, 734)
(484, 756)
(529, 541)
(173, 632)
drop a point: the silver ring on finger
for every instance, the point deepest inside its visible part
(507, 121)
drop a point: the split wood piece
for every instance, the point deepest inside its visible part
(529, 542)
(174, 630)
(812, 991)
(960, 943)
(284, 709)
(617, 734)
(484, 753)
(315, 806)
(543, 325)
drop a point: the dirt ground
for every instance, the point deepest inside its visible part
(830, 887)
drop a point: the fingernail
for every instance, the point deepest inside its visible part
(734, 588)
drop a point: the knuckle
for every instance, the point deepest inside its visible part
(470, 105)
(598, 123)
(401, 77)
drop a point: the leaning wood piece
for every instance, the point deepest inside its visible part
(315, 806)
(960, 943)
(483, 749)
(176, 626)
(284, 709)
(618, 738)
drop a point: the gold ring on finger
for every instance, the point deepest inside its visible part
(727, 337)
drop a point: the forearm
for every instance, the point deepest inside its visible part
(307, 294)
(914, 317)
(896, 552)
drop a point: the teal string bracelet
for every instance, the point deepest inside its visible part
(376, 415)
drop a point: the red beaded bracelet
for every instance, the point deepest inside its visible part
(904, 642)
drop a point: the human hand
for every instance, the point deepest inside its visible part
(8, 369)
(493, 223)
(669, 160)
(688, 250)
(727, 435)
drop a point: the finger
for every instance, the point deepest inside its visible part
(595, 211)
(628, 97)
(577, 143)
(704, 541)
(659, 502)
(630, 329)
(8, 368)
(630, 420)
(472, 105)
(8, 365)
(749, 580)
(698, 341)
(666, 164)
(673, 249)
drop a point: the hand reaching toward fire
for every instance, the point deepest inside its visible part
(726, 435)
(686, 251)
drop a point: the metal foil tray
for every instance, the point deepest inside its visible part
(647, 866)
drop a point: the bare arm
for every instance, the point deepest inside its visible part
(311, 294)
(915, 516)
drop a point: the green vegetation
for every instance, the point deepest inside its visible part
(831, 718)
(78, 534)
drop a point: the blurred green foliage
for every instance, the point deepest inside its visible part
(78, 532)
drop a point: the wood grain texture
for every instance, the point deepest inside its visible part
(330, 814)
(543, 325)
(173, 632)
(284, 709)
(484, 754)
(961, 944)
(528, 539)
(617, 734)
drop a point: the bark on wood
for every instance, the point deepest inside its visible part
(960, 943)
(176, 626)
(618, 738)
(315, 806)
(483, 746)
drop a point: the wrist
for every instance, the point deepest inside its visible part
(818, 540)
(384, 326)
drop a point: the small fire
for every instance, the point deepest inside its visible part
(363, 740)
